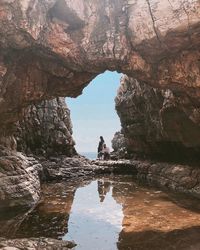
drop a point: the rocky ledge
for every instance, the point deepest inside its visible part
(35, 244)
(63, 168)
(175, 177)
(21, 176)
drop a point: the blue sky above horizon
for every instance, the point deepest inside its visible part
(93, 113)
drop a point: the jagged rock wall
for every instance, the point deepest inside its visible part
(158, 122)
(119, 146)
(118, 141)
(19, 180)
(46, 129)
(54, 48)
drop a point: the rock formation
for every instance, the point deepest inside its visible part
(19, 180)
(55, 48)
(157, 122)
(119, 146)
(46, 129)
(36, 243)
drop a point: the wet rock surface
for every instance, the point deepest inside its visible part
(157, 123)
(177, 177)
(180, 178)
(35, 244)
(46, 129)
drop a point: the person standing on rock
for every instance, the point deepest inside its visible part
(100, 148)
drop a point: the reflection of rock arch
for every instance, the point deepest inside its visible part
(156, 220)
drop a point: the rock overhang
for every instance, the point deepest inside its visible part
(55, 48)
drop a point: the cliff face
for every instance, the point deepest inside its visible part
(158, 122)
(55, 47)
(46, 129)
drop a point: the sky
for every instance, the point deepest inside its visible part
(93, 113)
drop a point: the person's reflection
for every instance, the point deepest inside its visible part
(103, 189)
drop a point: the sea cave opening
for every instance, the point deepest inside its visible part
(93, 114)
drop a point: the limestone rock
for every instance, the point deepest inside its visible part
(56, 47)
(35, 244)
(119, 146)
(46, 129)
(63, 168)
(158, 122)
(19, 180)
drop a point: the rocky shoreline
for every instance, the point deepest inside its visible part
(22, 176)
(175, 177)
(14, 190)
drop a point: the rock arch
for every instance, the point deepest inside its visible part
(54, 48)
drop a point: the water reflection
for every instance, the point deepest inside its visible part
(94, 223)
(50, 217)
(110, 213)
(103, 188)
(10, 220)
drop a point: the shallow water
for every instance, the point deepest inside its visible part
(110, 213)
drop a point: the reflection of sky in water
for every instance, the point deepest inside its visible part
(93, 224)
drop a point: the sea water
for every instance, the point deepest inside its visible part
(89, 155)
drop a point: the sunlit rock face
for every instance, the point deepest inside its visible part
(46, 129)
(157, 122)
(55, 47)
